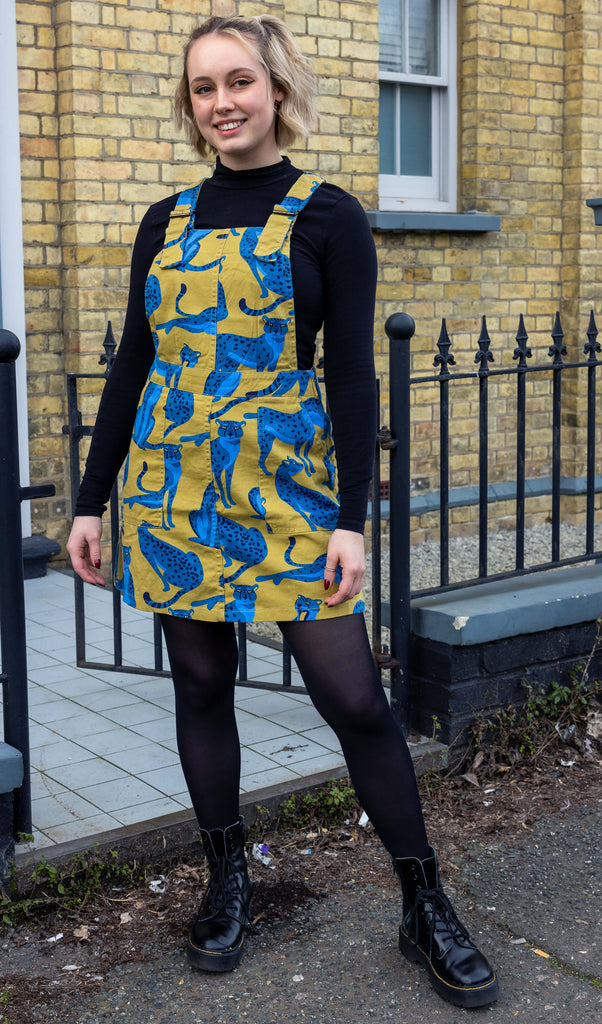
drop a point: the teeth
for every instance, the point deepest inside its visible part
(229, 125)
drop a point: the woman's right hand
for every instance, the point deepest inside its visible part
(84, 548)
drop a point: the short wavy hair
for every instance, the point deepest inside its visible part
(287, 68)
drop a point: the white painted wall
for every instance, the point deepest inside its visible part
(12, 291)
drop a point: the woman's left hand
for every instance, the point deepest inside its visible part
(345, 548)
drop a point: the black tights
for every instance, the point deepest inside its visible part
(336, 663)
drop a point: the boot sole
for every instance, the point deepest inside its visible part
(203, 960)
(469, 998)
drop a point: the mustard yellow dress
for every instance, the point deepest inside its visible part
(230, 489)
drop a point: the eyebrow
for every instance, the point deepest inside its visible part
(234, 71)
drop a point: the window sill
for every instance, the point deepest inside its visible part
(382, 221)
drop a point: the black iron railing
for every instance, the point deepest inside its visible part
(400, 329)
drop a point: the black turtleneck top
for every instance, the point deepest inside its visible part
(333, 265)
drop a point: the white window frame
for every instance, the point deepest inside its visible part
(437, 193)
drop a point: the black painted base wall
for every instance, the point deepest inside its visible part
(458, 683)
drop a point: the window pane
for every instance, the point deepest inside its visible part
(423, 37)
(386, 128)
(391, 23)
(415, 122)
(409, 36)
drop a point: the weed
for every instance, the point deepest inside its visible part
(552, 717)
(327, 807)
(51, 889)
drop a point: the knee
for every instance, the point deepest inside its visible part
(203, 689)
(369, 714)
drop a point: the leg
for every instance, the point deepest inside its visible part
(203, 658)
(338, 669)
(336, 662)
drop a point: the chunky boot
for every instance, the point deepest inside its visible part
(216, 938)
(432, 935)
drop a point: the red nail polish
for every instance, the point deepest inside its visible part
(326, 584)
(97, 563)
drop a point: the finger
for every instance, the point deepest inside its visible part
(330, 571)
(94, 552)
(349, 587)
(81, 565)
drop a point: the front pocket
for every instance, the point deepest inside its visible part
(297, 470)
(145, 479)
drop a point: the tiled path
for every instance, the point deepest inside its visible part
(103, 748)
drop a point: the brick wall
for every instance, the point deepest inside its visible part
(99, 146)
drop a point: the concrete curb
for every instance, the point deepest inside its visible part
(160, 839)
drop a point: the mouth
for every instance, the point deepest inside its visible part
(229, 126)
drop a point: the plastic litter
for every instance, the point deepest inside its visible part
(259, 851)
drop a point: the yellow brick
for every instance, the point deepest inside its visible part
(321, 27)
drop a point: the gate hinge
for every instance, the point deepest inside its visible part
(383, 659)
(385, 439)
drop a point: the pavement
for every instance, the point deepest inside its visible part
(103, 746)
(531, 902)
(533, 907)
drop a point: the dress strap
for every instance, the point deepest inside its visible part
(182, 213)
(283, 216)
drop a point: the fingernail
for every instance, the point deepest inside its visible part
(326, 584)
(97, 563)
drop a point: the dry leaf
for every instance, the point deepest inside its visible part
(125, 918)
(470, 777)
(83, 932)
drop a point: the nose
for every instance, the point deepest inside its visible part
(223, 99)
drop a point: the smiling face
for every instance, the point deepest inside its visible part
(233, 101)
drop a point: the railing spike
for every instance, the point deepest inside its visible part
(444, 358)
(109, 344)
(522, 352)
(558, 349)
(592, 345)
(484, 356)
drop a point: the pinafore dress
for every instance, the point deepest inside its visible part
(230, 486)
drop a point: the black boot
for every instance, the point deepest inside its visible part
(216, 938)
(432, 935)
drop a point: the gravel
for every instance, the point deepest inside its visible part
(464, 561)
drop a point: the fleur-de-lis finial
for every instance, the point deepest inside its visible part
(484, 356)
(592, 344)
(109, 345)
(522, 352)
(558, 348)
(444, 358)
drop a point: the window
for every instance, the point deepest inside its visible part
(417, 117)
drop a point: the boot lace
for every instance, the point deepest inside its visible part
(225, 893)
(441, 917)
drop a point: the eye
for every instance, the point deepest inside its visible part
(202, 90)
(242, 82)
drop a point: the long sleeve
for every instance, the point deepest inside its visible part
(117, 411)
(349, 293)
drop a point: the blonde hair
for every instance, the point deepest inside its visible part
(287, 68)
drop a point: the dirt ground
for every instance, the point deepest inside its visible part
(49, 962)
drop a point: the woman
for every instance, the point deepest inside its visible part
(230, 505)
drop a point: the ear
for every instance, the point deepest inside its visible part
(279, 93)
